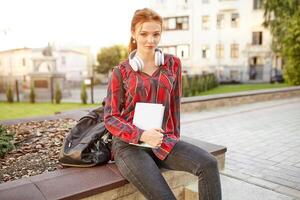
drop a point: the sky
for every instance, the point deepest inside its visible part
(96, 23)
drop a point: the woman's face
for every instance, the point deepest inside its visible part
(147, 36)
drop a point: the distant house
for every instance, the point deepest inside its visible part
(221, 36)
(18, 64)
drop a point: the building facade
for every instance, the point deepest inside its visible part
(225, 37)
(19, 64)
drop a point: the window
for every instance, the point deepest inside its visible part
(24, 62)
(205, 1)
(205, 22)
(220, 21)
(63, 60)
(176, 23)
(205, 51)
(40, 83)
(257, 61)
(234, 51)
(257, 4)
(257, 38)
(234, 20)
(220, 51)
(170, 50)
(183, 51)
(234, 75)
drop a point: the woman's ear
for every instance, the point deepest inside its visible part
(132, 35)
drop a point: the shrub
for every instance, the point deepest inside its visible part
(32, 94)
(201, 84)
(9, 95)
(83, 94)
(194, 85)
(185, 85)
(6, 139)
(58, 94)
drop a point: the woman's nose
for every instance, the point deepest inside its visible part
(151, 39)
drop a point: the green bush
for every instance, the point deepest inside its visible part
(32, 94)
(58, 94)
(10, 94)
(6, 139)
(201, 84)
(205, 83)
(83, 94)
(185, 86)
(194, 85)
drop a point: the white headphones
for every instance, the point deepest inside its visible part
(137, 63)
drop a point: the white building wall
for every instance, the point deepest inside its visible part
(74, 64)
(250, 20)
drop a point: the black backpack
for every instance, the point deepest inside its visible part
(89, 142)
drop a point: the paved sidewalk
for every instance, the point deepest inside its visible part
(263, 141)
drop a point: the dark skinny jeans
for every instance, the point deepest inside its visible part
(141, 168)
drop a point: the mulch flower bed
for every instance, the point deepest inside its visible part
(37, 148)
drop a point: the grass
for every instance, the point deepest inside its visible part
(23, 110)
(222, 89)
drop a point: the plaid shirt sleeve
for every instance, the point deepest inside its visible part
(175, 101)
(114, 123)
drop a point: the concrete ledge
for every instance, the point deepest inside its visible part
(199, 103)
(101, 182)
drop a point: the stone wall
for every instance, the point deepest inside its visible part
(212, 101)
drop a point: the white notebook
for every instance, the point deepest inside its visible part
(148, 116)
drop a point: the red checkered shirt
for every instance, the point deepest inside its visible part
(163, 87)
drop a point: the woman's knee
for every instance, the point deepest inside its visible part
(210, 164)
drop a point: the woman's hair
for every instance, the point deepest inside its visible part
(139, 17)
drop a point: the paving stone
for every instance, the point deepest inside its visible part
(278, 158)
(234, 189)
(280, 181)
(290, 191)
(262, 139)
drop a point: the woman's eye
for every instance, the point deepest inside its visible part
(156, 34)
(143, 34)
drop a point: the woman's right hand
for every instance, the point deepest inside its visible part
(153, 137)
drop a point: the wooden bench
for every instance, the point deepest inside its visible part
(101, 182)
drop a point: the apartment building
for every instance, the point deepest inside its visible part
(225, 37)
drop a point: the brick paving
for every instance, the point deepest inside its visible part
(263, 141)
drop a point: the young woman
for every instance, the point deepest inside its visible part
(151, 76)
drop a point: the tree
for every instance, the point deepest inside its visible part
(32, 94)
(83, 94)
(108, 57)
(58, 94)
(10, 94)
(283, 19)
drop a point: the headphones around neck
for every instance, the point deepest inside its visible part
(137, 63)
